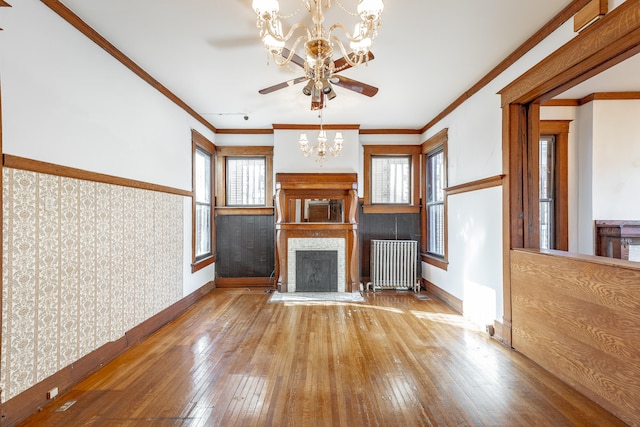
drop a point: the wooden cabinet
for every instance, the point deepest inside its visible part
(618, 239)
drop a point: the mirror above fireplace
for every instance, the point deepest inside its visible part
(317, 210)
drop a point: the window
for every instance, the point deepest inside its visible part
(435, 202)
(203, 235)
(246, 179)
(553, 182)
(391, 182)
(547, 191)
(434, 214)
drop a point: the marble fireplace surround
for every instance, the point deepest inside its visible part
(316, 244)
(294, 235)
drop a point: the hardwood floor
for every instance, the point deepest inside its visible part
(234, 359)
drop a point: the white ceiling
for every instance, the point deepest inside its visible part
(208, 53)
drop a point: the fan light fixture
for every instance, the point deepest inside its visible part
(319, 42)
(322, 147)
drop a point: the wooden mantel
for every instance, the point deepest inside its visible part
(294, 191)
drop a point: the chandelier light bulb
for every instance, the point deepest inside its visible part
(270, 7)
(370, 8)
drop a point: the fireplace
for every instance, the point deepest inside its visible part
(297, 246)
(316, 213)
(316, 271)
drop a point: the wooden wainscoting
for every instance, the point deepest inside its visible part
(579, 318)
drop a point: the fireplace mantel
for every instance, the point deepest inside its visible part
(317, 206)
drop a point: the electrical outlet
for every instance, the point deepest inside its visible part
(52, 393)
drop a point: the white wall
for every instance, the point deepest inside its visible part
(616, 148)
(68, 102)
(474, 273)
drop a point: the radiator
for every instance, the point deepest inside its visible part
(393, 264)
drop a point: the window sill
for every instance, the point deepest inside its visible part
(200, 264)
(260, 210)
(391, 209)
(435, 261)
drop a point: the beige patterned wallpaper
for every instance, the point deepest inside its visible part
(83, 262)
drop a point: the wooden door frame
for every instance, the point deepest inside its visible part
(602, 45)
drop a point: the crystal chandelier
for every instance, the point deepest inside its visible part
(322, 147)
(318, 41)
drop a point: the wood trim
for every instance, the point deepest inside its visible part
(4, 4)
(532, 181)
(480, 184)
(607, 42)
(499, 331)
(199, 141)
(202, 142)
(244, 131)
(444, 296)
(315, 127)
(222, 152)
(558, 20)
(390, 132)
(16, 162)
(442, 264)
(94, 36)
(440, 139)
(609, 96)
(560, 129)
(392, 150)
(205, 262)
(436, 140)
(29, 401)
(593, 11)
(598, 96)
(245, 282)
(561, 103)
(245, 211)
(244, 150)
(390, 209)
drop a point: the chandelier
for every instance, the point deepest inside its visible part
(319, 42)
(322, 147)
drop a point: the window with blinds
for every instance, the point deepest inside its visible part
(203, 203)
(391, 180)
(246, 181)
(435, 183)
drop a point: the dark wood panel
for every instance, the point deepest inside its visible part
(313, 364)
(384, 227)
(245, 246)
(578, 317)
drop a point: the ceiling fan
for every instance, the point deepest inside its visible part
(321, 78)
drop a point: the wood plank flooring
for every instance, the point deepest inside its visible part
(234, 359)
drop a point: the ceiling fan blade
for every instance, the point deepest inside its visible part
(296, 59)
(354, 85)
(282, 85)
(342, 64)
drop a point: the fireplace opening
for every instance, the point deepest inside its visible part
(316, 271)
